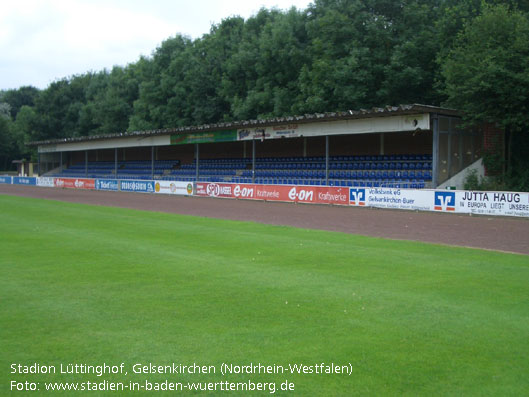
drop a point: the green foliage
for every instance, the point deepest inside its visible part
(487, 76)
(6, 143)
(24, 96)
(13, 136)
(487, 71)
(483, 183)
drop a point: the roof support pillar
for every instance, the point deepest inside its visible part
(253, 160)
(435, 151)
(152, 162)
(327, 160)
(116, 163)
(86, 163)
(197, 160)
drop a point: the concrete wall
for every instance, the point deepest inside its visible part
(458, 180)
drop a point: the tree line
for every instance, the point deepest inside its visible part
(335, 55)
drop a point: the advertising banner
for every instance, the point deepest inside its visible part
(45, 182)
(137, 186)
(488, 203)
(217, 190)
(5, 179)
(24, 180)
(172, 187)
(75, 183)
(298, 194)
(278, 131)
(204, 137)
(451, 201)
(309, 194)
(404, 199)
(107, 184)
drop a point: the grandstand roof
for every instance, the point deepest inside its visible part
(307, 118)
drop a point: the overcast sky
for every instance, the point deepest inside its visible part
(45, 40)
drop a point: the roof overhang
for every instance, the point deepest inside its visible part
(390, 119)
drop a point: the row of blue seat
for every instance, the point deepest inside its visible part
(403, 157)
(396, 183)
(311, 174)
(345, 174)
(351, 166)
(107, 165)
(401, 182)
(361, 170)
(316, 166)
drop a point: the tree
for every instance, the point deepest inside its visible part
(487, 74)
(23, 96)
(6, 143)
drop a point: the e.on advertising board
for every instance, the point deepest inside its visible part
(75, 183)
(298, 194)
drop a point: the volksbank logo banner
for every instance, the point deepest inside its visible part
(137, 186)
(466, 202)
(357, 196)
(107, 184)
(5, 179)
(445, 201)
(404, 199)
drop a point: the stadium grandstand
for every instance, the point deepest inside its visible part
(407, 146)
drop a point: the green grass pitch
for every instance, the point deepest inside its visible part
(89, 285)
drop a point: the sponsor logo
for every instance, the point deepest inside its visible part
(173, 188)
(357, 196)
(243, 192)
(138, 186)
(21, 180)
(213, 190)
(102, 184)
(216, 190)
(336, 196)
(244, 134)
(75, 183)
(300, 195)
(445, 201)
(46, 181)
